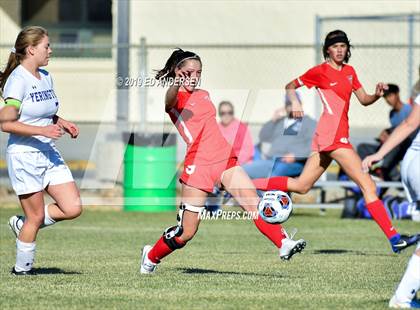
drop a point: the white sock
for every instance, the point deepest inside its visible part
(25, 255)
(410, 283)
(48, 221)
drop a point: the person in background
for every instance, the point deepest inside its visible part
(397, 115)
(400, 110)
(235, 132)
(285, 145)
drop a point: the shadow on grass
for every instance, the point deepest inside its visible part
(42, 271)
(346, 252)
(334, 251)
(218, 272)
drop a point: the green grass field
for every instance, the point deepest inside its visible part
(93, 262)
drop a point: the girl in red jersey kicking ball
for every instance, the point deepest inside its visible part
(209, 161)
(335, 81)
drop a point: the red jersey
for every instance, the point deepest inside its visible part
(334, 88)
(194, 116)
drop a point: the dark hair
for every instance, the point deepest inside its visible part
(29, 36)
(177, 57)
(392, 89)
(333, 37)
(228, 103)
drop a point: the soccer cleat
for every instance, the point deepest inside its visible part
(22, 273)
(16, 223)
(290, 247)
(401, 242)
(394, 303)
(146, 265)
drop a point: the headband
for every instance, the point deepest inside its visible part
(336, 39)
(186, 58)
(179, 62)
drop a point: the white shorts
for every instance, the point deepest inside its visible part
(31, 172)
(410, 174)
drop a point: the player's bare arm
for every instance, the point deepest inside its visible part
(171, 94)
(8, 113)
(18, 128)
(366, 99)
(297, 110)
(67, 126)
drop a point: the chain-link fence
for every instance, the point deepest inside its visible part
(386, 48)
(251, 76)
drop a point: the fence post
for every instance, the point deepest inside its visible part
(410, 56)
(143, 88)
(123, 60)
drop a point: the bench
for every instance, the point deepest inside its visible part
(322, 185)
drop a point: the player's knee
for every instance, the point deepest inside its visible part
(74, 210)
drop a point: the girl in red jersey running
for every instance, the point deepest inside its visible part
(335, 81)
(209, 161)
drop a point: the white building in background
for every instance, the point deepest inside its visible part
(85, 81)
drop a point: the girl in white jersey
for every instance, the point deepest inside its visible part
(34, 163)
(410, 175)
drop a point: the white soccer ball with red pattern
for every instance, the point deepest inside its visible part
(275, 207)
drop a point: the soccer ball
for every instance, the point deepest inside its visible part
(275, 207)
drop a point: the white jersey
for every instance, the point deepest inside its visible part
(416, 142)
(38, 106)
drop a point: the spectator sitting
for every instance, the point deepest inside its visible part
(285, 145)
(236, 133)
(399, 112)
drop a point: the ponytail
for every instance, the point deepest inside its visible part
(12, 63)
(29, 36)
(174, 61)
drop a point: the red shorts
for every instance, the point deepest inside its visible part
(205, 177)
(323, 145)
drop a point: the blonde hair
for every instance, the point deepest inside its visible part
(29, 36)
